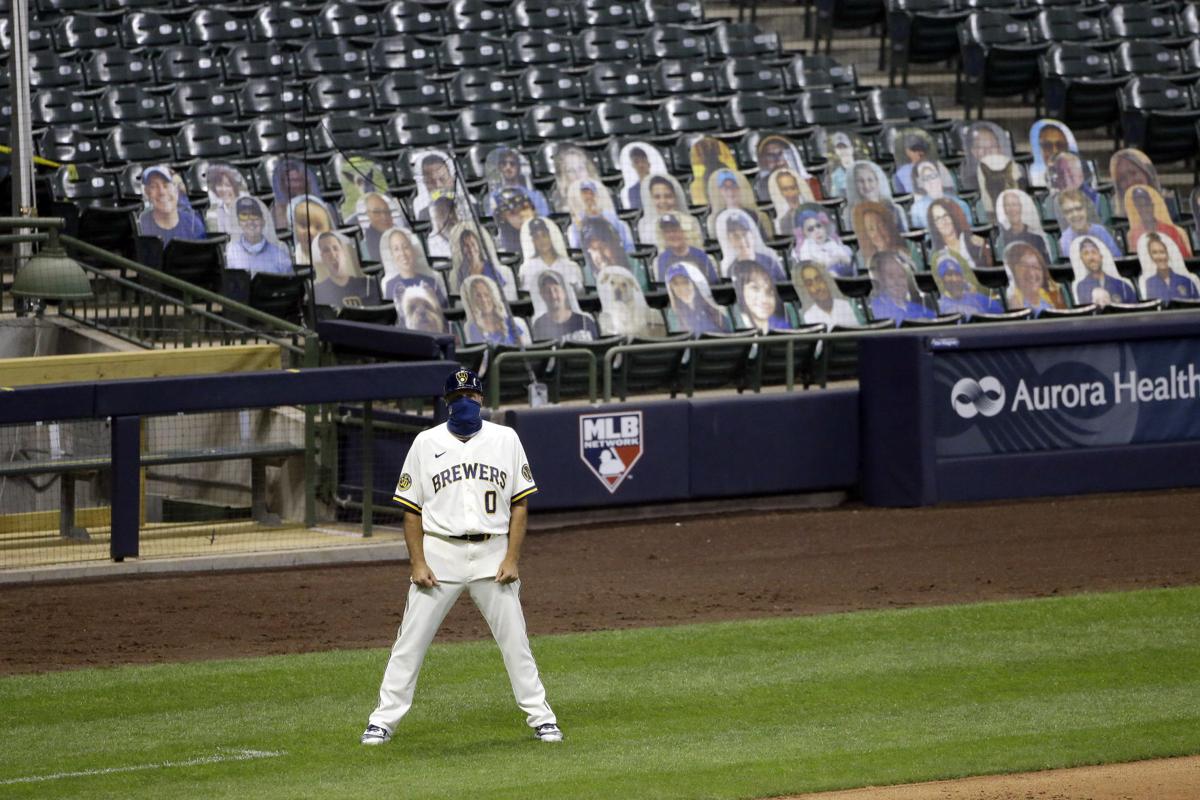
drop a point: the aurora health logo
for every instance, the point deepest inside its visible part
(971, 397)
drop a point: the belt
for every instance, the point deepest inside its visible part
(474, 537)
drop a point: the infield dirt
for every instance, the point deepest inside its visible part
(643, 574)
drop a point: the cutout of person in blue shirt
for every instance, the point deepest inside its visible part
(169, 214)
(1096, 279)
(894, 294)
(1164, 277)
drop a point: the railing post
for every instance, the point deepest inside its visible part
(368, 468)
(126, 507)
(790, 370)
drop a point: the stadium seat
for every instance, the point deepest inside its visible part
(116, 66)
(272, 136)
(267, 97)
(338, 20)
(605, 45)
(749, 75)
(207, 140)
(769, 365)
(471, 50)
(84, 185)
(615, 80)
(673, 77)
(61, 107)
(84, 31)
(118, 104)
(479, 86)
(338, 93)
(755, 112)
(111, 228)
(921, 32)
(829, 107)
(539, 15)
(181, 62)
(477, 16)
(896, 105)
(548, 84)
(716, 367)
(805, 72)
(258, 60)
(67, 144)
(1158, 118)
(602, 14)
(1069, 25)
(616, 117)
(132, 142)
(1149, 57)
(567, 378)
(277, 22)
(545, 122)
(483, 125)
(644, 372)
(999, 58)
(674, 42)
(684, 115)
(1079, 86)
(1144, 21)
(417, 129)
(834, 15)
(744, 40)
(200, 262)
(200, 101)
(209, 27)
(147, 29)
(279, 295)
(407, 89)
(338, 57)
(411, 16)
(400, 53)
(538, 48)
(346, 133)
(49, 70)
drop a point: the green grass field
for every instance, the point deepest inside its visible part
(748, 709)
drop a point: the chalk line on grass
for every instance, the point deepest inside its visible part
(236, 755)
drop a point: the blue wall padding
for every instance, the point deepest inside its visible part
(367, 337)
(275, 388)
(774, 444)
(897, 451)
(1066, 472)
(552, 441)
(47, 403)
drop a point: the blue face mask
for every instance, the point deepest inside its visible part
(464, 416)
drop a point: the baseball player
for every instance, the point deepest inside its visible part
(463, 487)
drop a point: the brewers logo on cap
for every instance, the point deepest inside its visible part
(462, 377)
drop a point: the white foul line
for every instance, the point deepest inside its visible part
(236, 755)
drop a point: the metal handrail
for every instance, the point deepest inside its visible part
(790, 339)
(545, 355)
(181, 285)
(154, 294)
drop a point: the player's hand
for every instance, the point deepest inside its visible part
(507, 572)
(423, 576)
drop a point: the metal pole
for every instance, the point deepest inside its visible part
(21, 156)
(368, 468)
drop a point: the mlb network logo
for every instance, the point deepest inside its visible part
(610, 444)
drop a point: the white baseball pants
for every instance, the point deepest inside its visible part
(458, 566)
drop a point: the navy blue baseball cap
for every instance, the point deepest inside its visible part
(463, 380)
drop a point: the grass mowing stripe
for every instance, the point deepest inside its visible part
(719, 710)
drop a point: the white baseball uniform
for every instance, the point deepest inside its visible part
(463, 489)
